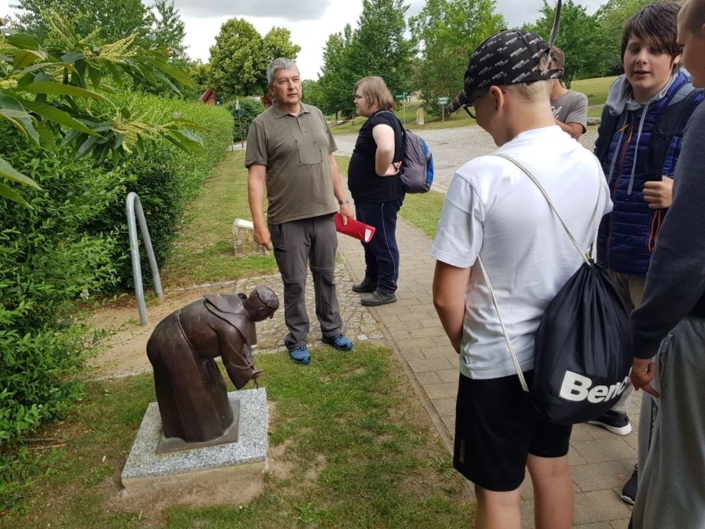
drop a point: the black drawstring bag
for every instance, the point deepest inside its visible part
(582, 352)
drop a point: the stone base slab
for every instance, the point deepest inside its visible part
(146, 471)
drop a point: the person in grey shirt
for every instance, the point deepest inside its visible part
(569, 107)
(669, 328)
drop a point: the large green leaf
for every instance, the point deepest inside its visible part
(12, 195)
(183, 142)
(72, 57)
(22, 121)
(58, 89)
(10, 102)
(58, 116)
(9, 172)
(43, 65)
(24, 58)
(176, 73)
(22, 41)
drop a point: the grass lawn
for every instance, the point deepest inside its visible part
(204, 251)
(353, 444)
(457, 119)
(423, 211)
(596, 89)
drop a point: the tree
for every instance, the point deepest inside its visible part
(238, 61)
(112, 19)
(167, 30)
(312, 93)
(43, 93)
(277, 43)
(449, 30)
(579, 38)
(378, 46)
(611, 18)
(337, 77)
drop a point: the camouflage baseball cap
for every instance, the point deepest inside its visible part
(506, 58)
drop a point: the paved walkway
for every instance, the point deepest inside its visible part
(601, 462)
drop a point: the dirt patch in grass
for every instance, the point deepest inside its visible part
(124, 351)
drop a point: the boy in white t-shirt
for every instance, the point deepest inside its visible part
(495, 211)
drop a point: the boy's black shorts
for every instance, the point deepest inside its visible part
(496, 429)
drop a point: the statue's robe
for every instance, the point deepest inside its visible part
(191, 392)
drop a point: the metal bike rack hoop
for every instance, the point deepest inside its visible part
(135, 206)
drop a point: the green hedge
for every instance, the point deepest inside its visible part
(73, 244)
(47, 261)
(166, 178)
(250, 108)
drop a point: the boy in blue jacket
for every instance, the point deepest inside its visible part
(638, 145)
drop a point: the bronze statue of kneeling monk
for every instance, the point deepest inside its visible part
(191, 393)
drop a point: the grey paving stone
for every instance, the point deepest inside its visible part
(438, 351)
(450, 375)
(599, 506)
(449, 421)
(581, 432)
(437, 364)
(445, 406)
(601, 450)
(441, 391)
(599, 476)
(431, 332)
(428, 377)
(416, 343)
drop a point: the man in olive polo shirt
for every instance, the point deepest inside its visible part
(290, 152)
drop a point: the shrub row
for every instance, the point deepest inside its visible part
(72, 244)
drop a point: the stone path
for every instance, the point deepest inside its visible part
(601, 462)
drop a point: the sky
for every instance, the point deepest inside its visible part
(310, 21)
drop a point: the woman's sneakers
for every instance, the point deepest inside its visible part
(379, 297)
(367, 285)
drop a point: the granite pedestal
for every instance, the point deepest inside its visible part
(232, 463)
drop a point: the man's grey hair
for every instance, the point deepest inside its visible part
(280, 63)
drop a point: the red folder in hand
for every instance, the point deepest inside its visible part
(354, 228)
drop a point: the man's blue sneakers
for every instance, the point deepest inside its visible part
(339, 341)
(300, 355)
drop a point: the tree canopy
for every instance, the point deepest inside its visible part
(579, 38)
(113, 19)
(449, 30)
(238, 61)
(377, 46)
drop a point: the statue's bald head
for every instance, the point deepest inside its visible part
(267, 296)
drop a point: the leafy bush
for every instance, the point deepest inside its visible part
(165, 179)
(250, 108)
(71, 244)
(46, 263)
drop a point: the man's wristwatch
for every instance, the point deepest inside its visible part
(341, 202)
